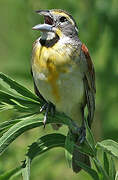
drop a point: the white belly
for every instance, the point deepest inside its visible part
(70, 89)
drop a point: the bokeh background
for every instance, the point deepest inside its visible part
(98, 29)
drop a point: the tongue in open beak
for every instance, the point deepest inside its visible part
(48, 22)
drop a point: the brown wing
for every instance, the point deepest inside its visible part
(89, 84)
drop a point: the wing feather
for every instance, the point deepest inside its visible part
(37, 91)
(89, 84)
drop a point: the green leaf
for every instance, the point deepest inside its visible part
(45, 143)
(17, 130)
(109, 146)
(42, 145)
(116, 177)
(69, 146)
(26, 169)
(9, 174)
(101, 171)
(89, 170)
(5, 107)
(89, 137)
(20, 103)
(24, 125)
(5, 125)
(106, 162)
(18, 87)
(6, 98)
(112, 170)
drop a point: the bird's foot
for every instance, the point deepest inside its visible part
(47, 107)
(82, 135)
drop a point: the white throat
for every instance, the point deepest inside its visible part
(48, 35)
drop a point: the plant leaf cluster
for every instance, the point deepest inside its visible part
(28, 106)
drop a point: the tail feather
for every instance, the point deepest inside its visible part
(78, 156)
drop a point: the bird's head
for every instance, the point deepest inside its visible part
(57, 23)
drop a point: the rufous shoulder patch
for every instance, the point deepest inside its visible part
(88, 58)
(84, 48)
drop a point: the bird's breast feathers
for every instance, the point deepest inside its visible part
(57, 75)
(59, 58)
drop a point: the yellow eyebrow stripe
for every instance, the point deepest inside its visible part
(65, 15)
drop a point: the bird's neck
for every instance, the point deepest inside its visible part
(48, 39)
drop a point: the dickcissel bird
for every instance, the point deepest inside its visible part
(63, 72)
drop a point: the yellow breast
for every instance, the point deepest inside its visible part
(51, 61)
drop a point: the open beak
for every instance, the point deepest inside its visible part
(48, 22)
(43, 27)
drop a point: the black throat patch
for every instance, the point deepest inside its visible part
(49, 43)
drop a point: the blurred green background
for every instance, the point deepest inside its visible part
(98, 29)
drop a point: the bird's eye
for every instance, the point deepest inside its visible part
(63, 19)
